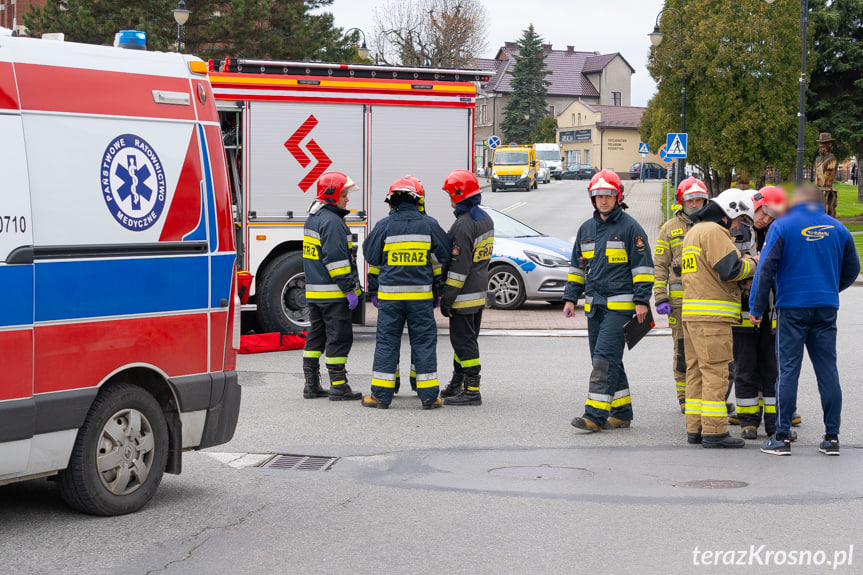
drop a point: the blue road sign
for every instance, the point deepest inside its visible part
(493, 142)
(663, 156)
(643, 148)
(676, 145)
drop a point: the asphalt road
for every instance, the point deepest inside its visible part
(557, 208)
(449, 491)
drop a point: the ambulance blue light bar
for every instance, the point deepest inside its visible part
(131, 39)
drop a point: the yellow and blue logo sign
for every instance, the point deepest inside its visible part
(815, 233)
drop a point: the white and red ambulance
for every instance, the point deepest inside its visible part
(118, 312)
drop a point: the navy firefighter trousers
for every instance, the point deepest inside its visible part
(608, 394)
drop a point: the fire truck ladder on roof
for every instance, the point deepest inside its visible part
(347, 70)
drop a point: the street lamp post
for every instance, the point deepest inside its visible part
(362, 50)
(801, 112)
(181, 16)
(656, 38)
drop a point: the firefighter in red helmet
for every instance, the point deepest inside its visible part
(400, 246)
(465, 285)
(332, 288)
(612, 267)
(692, 195)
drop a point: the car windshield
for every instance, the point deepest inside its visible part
(634, 167)
(507, 227)
(585, 167)
(542, 164)
(550, 155)
(510, 159)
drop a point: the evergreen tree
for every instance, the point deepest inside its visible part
(527, 105)
(835, 98)
(274, 29)
(546, 131)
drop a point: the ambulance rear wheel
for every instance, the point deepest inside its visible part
(119, 455)
(282, 296)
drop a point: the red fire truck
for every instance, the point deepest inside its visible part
(286, 123)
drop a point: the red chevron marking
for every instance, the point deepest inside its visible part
(293, 143)
(324, 162)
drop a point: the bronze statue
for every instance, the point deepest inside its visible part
(825, 171)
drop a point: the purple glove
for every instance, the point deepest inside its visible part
(375, 301)
(664, 308)
(353, 300)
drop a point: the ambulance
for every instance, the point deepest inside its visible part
(118, 310)
(286, 123)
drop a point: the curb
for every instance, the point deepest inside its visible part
(859, 280)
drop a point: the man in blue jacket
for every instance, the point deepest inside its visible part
(810, 257)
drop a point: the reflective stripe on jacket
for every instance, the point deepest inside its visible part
(712, 266)
(466, 274)
(329, 265)
(611, 264)
(406, 249)
(667, 254)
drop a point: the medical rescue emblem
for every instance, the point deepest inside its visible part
(133, 182)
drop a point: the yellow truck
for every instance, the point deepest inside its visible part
(514, 167)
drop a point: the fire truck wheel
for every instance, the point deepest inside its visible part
(282, 295)
(119, 455)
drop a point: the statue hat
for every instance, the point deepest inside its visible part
(825, 137)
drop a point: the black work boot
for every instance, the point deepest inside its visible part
(469, 394)
(313, 389)
(722, 441)
(339, 388)
(454, 386)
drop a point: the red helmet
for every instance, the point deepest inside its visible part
(331, 185)
(460, 185)
(692, 189)
(772, 199)
(419, 185)
(406, 186)
(606, 183)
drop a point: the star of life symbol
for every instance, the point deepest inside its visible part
(133, 182)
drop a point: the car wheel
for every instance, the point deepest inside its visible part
(282, 296)
(508, 288)
(119, 455)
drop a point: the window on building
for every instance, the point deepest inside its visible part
(483, 114)
(579, 119)
(573, 119)
(616, 99)
(551, 111)
(587, 156)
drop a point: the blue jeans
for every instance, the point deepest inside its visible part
(816, 329)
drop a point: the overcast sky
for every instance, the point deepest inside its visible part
(595, 25)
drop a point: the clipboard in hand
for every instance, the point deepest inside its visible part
(634, 331)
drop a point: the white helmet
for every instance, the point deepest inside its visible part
(735, 203)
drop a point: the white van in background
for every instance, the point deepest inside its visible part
(551, 154)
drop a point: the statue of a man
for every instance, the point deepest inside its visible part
(825, 171)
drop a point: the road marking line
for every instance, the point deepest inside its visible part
(514, 206)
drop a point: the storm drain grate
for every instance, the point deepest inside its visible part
(300, 462)
(712, 484)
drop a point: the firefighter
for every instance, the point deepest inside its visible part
(466, 284)
(332, 288)
(612, 266)
(755, 370)
(692, 194)
(711, 267)
(400, 246)
(374, 271)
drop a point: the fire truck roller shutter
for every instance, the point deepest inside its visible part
(426, 142)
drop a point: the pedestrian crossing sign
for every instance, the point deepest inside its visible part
(643, 148)
(676, 145)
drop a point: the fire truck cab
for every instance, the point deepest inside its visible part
(119, 321)
(286, 123)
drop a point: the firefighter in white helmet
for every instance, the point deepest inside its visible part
(692, 194)
(711, 268)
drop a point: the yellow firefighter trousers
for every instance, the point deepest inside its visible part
(708, 348)
(679, 358)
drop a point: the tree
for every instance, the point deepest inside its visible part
(835, 98)
(274, 29)
(742, 61)
(545, 131)
(527, 105)
(436, 33)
